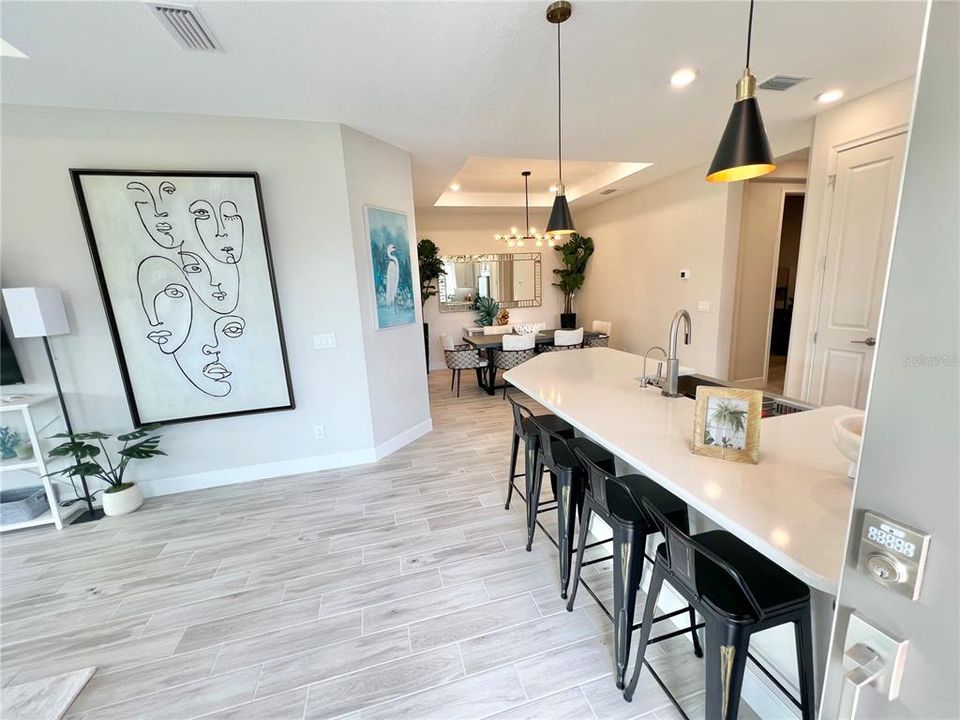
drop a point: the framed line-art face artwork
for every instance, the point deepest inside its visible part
(183, 263)
(727, 423)
(389, 241)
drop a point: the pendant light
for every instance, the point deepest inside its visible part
(514, 238)
(561, 221)
(744, 151)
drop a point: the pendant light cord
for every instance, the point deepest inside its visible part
(749, 33)
(560, 111)
(526, 202)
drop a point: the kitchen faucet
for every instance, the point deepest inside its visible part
(673, 363)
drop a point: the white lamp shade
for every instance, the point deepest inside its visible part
(36, 312)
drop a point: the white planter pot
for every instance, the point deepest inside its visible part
(123, 501)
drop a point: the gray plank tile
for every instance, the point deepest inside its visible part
(471, 698)
(255, 622)
(287, 641)
(72, 641)
(491, 565)
(381, 683)
(472, 622)
(377, 592)
(568, 704)
(521, 641)
(523, 580)
(321, 583)
(386, 534)
(607, 701)
(414, 543)
(425, 605)
(181, 594)
(567, 666)
(435, 508)
(285, 706)
(300, 568)
(327, 662)
(114, 687)
(185, 701)
(450, 554)
(217, 607)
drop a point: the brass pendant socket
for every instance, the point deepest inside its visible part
(559, 11)
(561, 190)
(747, 85)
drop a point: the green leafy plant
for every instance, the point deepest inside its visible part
(431, 268)
(487, 310)
(137, 445)
(729, 416)
(574, 255)
(9, 441)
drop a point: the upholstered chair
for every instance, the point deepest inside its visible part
(516, 349)
(459, 358)
(603, 327)
(566, 340)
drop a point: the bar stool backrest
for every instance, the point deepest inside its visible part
(520, 412)
(683, 554)
(597, 479)
(547, 438)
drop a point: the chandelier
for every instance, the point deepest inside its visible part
(530, 234)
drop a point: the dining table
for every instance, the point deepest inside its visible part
(489, 343)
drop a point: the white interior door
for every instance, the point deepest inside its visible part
(866, 188)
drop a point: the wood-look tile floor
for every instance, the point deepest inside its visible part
(395, 590)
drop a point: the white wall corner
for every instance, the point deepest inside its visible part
(403, 439)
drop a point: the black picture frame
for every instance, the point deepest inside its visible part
(76, 176)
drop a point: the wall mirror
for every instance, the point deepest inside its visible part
(512, 279)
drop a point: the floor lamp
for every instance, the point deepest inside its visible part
(39, 312)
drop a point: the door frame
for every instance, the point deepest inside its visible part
(823, 241)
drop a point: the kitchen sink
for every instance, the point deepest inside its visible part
(773, 405)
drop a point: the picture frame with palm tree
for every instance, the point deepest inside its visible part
(727, 423)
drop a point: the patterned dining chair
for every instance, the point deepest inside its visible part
(517, 349)
(603, 327)
(565, 340)
(459, 358)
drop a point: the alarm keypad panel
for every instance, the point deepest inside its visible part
(893, 554)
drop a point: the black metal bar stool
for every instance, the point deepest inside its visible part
(524, 429)
(616, 500)
(738, 592)
(557, 455)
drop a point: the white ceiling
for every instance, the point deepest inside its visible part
(450, 80)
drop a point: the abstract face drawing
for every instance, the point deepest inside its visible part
(205, 358)
(220, 229)
(154, 211)
(218, 287)
(165, 298)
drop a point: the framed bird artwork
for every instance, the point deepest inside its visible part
(392, 271)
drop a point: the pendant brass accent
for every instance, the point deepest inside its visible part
(746, 86)
(726, 671)
(559, 11)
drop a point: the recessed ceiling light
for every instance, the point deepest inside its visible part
(829, 96)
(683, 77)
(455, 187)
(8, 50)
(552, 188)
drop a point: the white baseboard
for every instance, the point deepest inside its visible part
(261, 471)
(297, 466)
(405, 438)
(438, 365)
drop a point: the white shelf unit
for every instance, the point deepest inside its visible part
(26, 405)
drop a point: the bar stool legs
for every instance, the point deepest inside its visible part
(569, 501)
(513, 474)
(627, 566)
(803, 634)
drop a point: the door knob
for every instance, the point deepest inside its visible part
(869, 342)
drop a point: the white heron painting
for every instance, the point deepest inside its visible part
(392, 272)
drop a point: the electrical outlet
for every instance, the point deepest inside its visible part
(684, 274)
(325, 341)
(318, 431)
(703, 306)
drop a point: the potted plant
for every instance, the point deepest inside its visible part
(487, 309)
(121, 496)
(431, 268)
(574, 255)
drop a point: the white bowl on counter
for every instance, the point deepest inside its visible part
(847, 436)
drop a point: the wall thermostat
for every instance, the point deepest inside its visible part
(892, 554)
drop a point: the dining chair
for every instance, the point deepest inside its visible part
(459, 358)
(566, 340)
(517, 349)
(604, 327)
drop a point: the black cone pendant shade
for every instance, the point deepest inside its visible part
(561, 221)
(744, 151)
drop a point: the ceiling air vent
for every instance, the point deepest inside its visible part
(187, 27)
(781, 83)
(608, 191)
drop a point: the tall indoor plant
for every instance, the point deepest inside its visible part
(121, 495)
(431, 268)
(574, 255)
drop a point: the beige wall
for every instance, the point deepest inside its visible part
(458, 231)
(643, 240)
(877, 112)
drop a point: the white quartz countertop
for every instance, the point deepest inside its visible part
(793, 506)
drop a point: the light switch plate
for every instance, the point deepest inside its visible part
(703, 306)
(322, 342)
